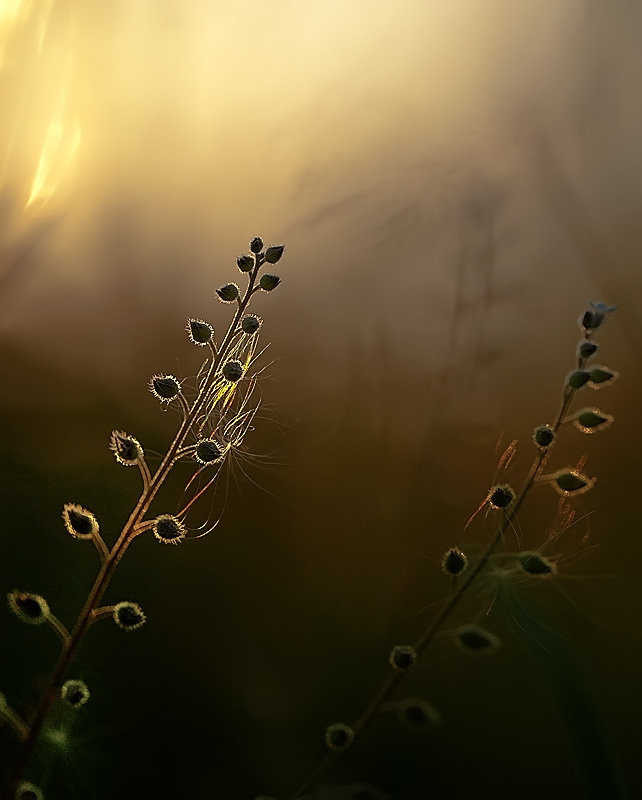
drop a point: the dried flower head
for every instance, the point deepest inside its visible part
(543, 435)
(232, 371)
(250, 323)
(75, 693)
(79, 522)
(128, 616)
(501, 496)
(200, 332)
(168, 529)
(28, 791)
(127, 449)
(535, 563)
(256, 245)
(30, 608)
(454, 562)
(475, 639)
(414, 712)
(339, 736)
(228, 293)
(402, 657)
(207, 451)
(164, 387)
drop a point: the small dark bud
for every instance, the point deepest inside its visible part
(127, 449)
(417, 713)
(128, 616)
(228, 293)
(543, 435)
(475, 639)
(164, 387)
(586, 349)
(600, 376)
(591, 420)
(28, 791)
(454, 562)
(245, 263)
(577, 378)
(402, 657)
(269, 282)
(256, 245)
(339, 736)
(500, 496)
(274, 253)
(200, 332)
(79, 522)
(534, 563)
(30, 608)
(207, 452)
(168, 529)
(250, 324)
(570, 482)
(74, 693)
(232, 371)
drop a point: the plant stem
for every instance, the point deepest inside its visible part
(128, 533)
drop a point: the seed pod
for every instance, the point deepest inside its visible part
(591, 420)
(245, 263)
(128, 616)
(127, 449)
(200, 332)
(207, 452)
(75, 693)
(569, 482)
(339, 736)
(30, 608)
(79, 522)
(535, 563)
(454, 562)
(269, 282)
(600, 376)
(228, 293)
(577, 378)
(250, 323)
(232, 371)
(168, 529)
(402, 657)
(414, 712)
(500, 496)
(256, 245)
(164, 387)
(274, 253)
(543, 436)
(585, 348)
(28, 791)
(475, 639)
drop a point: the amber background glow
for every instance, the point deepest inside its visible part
(453, 181)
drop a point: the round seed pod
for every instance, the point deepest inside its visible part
(200, 332)
(207, 452)
(474, 639)
(416, 713)
(501, 496)
(245, 263)
(339, 736)
(454, 562)
(250, 323)
(534, 563)
(269, 282)
(402, 657)
(256, 245)
(75, 693)
(30, 608)
(128, 616)
(164, 387)
(28, 791)
(228, 293)
(232, 371)
(168, 529)
(79, 522)
(543, 436)
(127, 449)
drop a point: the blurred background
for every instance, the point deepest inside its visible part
(453, 181)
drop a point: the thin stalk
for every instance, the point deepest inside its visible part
(394, 678)
(128, 533)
